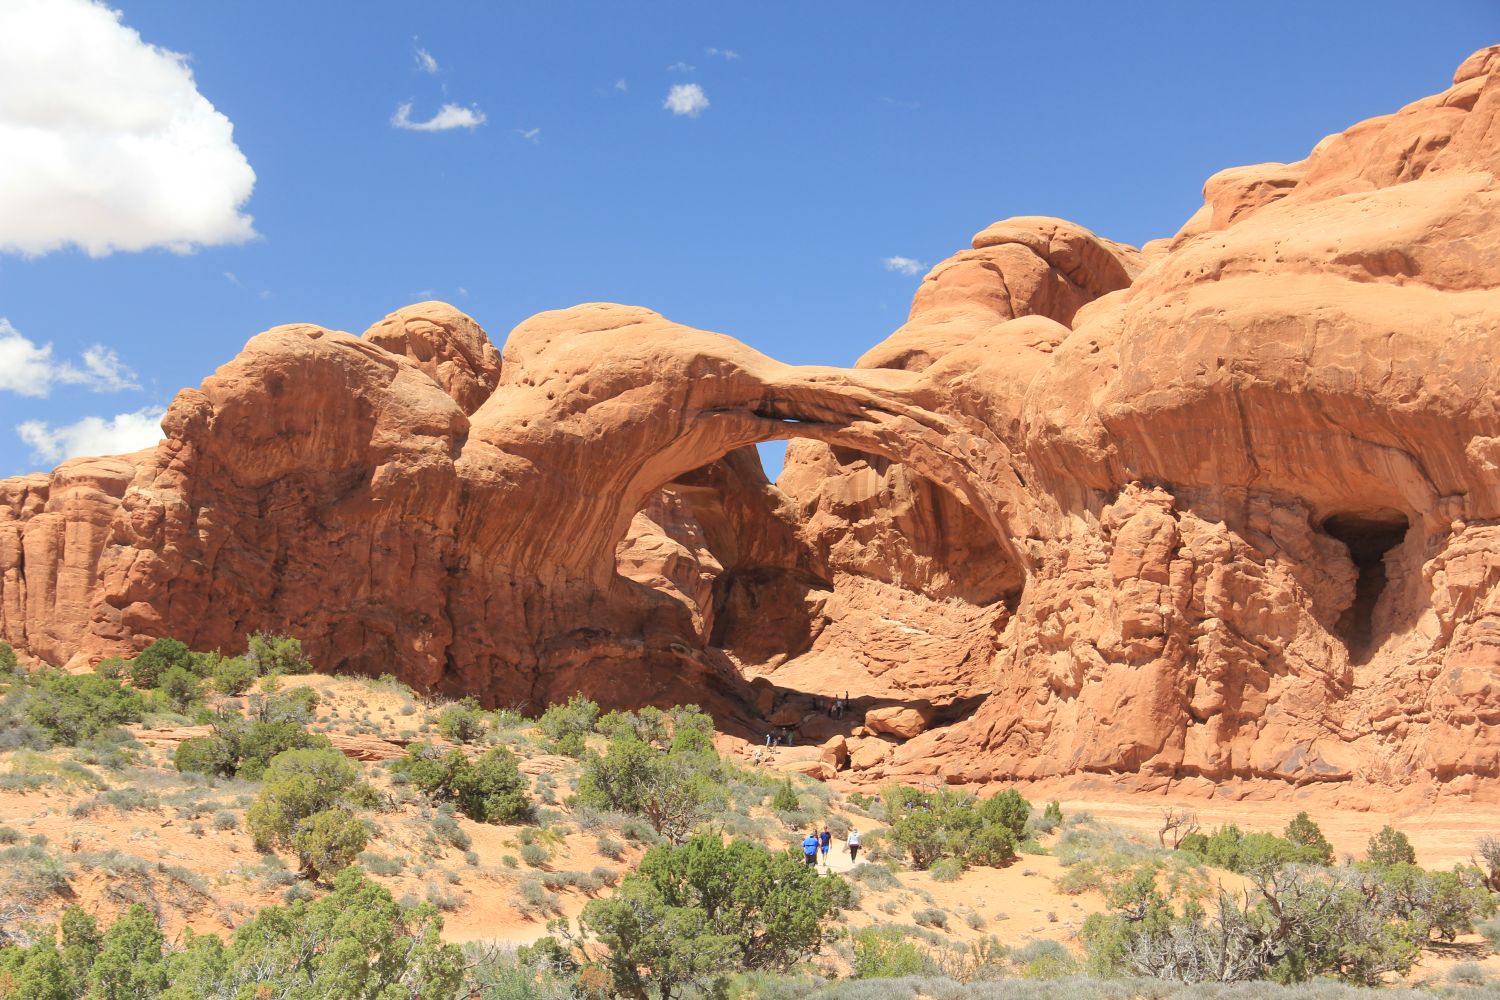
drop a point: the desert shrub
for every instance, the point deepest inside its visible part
(9, 666)
(609, 847)
(946, 869)
(698, 911)
(446, 828)
(1467, 974)
(180, 687)
(888, 953)
(874, 876)
(297, 705)
(692, 730)
(672, 791)
(1312, 847)
(784, 799)
(303, 806)
(488, 790)
(1008, 809)
(927, 826)
(74, 707)
(461, 722)
(442, 898)
(1390, 847)
(232, 675)
(566, 725)
(1044, 960)
(276, 654)
(649, 725)
(147, 669)
(237, 748)
(328, 841)
(535, 855)
(225, 821)
(1358, 923)
(931, 917)
(379, 864)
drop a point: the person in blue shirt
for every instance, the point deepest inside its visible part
(825, 841)
(810, 849)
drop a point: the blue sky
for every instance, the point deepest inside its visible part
(835, 136)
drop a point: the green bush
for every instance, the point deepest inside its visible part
(232, 675)
(566, 725)
(205, 755)
(699, 911)
(461, 722)
(296, 704)
(927, 826)
(74, 707)
(147, 668)
(1390, 847)
(488, 790)
(784, 799)
(8, 663)
(649, 725)
(1008, 809)
(672, 791)
(946, 869)
(888, 953)
(179, 686)
(1312, 847)
(327, 842)
(243, 749)
(276, 654)
(302, 788)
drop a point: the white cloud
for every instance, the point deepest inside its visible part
(728, 54)
(621, 85)
(107, 143)
(680, 67)
(904, 265)
(118, 435)
(449, 116)
(531, 135)
(30, 370)
(686, 99)
(425, 62)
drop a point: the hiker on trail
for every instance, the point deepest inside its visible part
(853, 846)
(825, 841)
(810, 849)
(768, 739)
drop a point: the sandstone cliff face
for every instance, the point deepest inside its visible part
(1224, 507)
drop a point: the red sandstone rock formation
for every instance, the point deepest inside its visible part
(1225, 507)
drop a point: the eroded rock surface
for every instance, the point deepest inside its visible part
(1226, 507)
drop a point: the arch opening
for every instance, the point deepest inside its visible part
(1369, 536)
(839, 574)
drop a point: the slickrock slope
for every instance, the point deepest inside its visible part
(1224, 507)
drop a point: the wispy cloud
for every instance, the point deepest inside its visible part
(233, 279)
(903, 105)
(29, 369)
(425, 61)
(903, 265)
(686, 99)
(531, 135)
(449, 116)
(108, 144)
(621, 85)
(680, 67)
(118, 435)
(729, 54)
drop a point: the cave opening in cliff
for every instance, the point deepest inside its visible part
(1369, 536)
